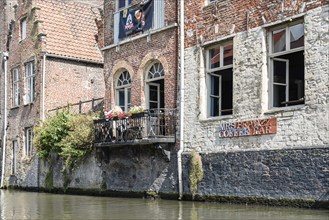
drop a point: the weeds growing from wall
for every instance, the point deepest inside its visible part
(196, 172)
(68, 135)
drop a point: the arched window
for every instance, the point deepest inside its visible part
(155, 86)
(123, 91)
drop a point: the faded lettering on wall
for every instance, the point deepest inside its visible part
(248, 128)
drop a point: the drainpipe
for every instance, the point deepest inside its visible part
(5, 58)
(181, 132)
(43, 86)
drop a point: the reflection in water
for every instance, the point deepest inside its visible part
(24, 205)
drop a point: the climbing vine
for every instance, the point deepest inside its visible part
(196, 172)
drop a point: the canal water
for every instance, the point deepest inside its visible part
(25, 205)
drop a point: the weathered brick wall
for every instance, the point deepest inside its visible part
(109, 9)
(137, 55)
(223, 17)
(66, 82)
(69, 82)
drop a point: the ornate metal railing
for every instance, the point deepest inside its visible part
(151, 126)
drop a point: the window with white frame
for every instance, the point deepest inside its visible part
(155, 87)
(120, 4)
(219, 70)
(15, 88)
(29, 82)
(23, 28)
(123, 91)
(286, 61)
(28, 141)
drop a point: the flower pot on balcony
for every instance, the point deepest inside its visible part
(137, 115)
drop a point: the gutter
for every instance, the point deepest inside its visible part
(74, 59)
(181, 132)
(5, 59)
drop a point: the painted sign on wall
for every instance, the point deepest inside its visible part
(248, 128)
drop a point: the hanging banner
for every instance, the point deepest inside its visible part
(136, 18)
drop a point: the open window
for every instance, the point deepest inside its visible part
(123, 91)
(155, 87)
(286, 59)
(220, 79)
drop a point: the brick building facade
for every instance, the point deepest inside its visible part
(256, 97)
(137, 53)
(54, 60)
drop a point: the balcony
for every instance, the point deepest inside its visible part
(149, 127)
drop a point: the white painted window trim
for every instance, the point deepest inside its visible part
(210, 71)
(28, 142)
(23, 26)
(29, 82)
(273, 56)
(126, 89)
(15, 88)
(149, 81)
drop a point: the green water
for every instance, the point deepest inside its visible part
(25, 205)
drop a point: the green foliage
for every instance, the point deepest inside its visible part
(68, 135)
(78, 141)
(196, 172)
(48, 135)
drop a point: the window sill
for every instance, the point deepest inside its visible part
(285, 109)
(217, 118)
(208, 4)
(29, 104)
(145, 34)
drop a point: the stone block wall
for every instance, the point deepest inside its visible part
(297, 126)
(274, 174)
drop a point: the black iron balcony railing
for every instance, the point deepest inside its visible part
(150, 127)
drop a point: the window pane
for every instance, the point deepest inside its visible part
(214, 106)
(214, 55)
(279, 40)
(214, 84)
(227, 91)
(279, 95)
(122, 3)
(297, 36)
(279, 75)
(228, 55)
(153, 93)
(121, 94)
(23, 29)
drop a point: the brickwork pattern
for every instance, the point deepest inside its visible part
(221, 18)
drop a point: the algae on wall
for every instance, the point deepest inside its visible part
(196, 172)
